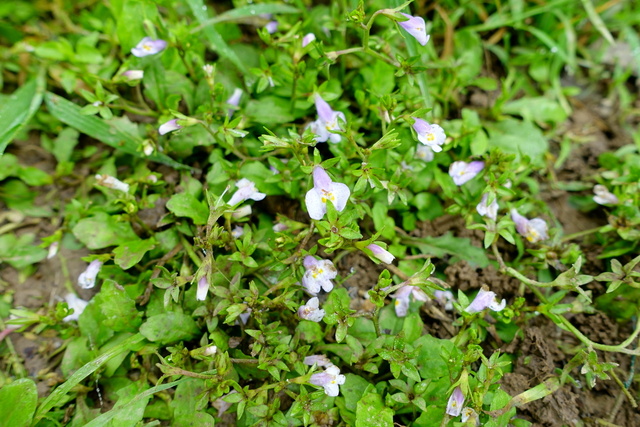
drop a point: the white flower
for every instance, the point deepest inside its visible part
(469, 414)
(148, 46)
(237, 232)
(53, 250)
(330, 380)
(403, 298)
(77, 304)
(424, 153)
(234, 100)
(416, 27)
(211, 350)
(311, 311)
(382, 254)
(242, 211)
(489, 210)
(308, 38)
(328, 122)
(485, 299)
(456, 400)
(112, 182)
(203, 289)
(431, 135)
(246, 190)
(317, 359)
(462, 172)
(169, 126)
(534, 230)
(87, 278)
(318, 275)
(132, 75)
(604, 196)
(324, 190)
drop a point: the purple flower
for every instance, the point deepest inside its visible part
(318, 275)
(324, 190)
(603, 196)
(203, 288)
(416, 27)
(87, 278)
(112, 182)
(445, 298)
(403, 298)
(534, 230)
(237, 232)
(148, 46)
(382, 254)
(271, 27)
(456, 402)
(246, 190)
(234, 100)
(319, 360)
(132, 75)
(490, 210)
(431, 135)
(78, 305)
(330, 379)
(169, 126)
(308, 39)
(328, 121)
(462, 172)
(311, 311)
(424, 153)
(469, 414)
(485, 299)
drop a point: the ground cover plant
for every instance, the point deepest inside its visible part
(319, 213)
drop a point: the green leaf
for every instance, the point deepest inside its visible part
(18, 108)
(130, 17)
(18, 402)
(186, 205)
(103, 230)
(199, 10)
(519, 137)
(251, 11)
(270, 110)
(103, 419)
(352, 390)
(129, 254)
(169, 327)
(118, 308)
(537, 108)
(449, 244)
(69, 113)
(371, 412)
(436, 358)
(184, 404)
(58, 396)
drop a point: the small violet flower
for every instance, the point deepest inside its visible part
(112, 182)
(330, 379)
(53, 250)
(424, 153)
(77, 304)
(445, 298)
(246, 190)
(328, 121)
(403, 298)
(490, 210)
(454, 406)
(237, 232)
(234, 100)
(416, 27)
(87, 278)
(382, 254)
(311, 311)
(308, 38)
(133, 75)
(148, 46)
(462, 172)
(169, 126)
(485, 299)
(431, 135)
(469, 414)
(317, 359)
(203, 289)
(271, 27)
(534, 230)
(324, 190)
(318, 275)
(603, 196)
(241, 212)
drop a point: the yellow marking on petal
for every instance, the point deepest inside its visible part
(431, 137)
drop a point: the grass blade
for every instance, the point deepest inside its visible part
(59, 393)
(69, 113)
(18, 110)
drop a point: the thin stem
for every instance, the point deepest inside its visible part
(569, 237)
(624, 389)
(189, 248)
